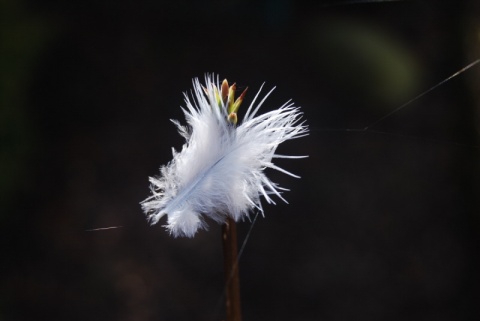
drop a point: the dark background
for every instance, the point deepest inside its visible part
(383, 225)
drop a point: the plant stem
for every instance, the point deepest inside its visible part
(232, 280)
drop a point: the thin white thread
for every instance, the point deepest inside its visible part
(367, 129)
(103, 228)
(418, 96)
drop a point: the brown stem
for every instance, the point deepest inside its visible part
(232, 280)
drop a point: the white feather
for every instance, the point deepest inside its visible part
(220, 169)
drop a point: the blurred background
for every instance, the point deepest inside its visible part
(383, 225)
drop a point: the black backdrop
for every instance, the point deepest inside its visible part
(383, 224)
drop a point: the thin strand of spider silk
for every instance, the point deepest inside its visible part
(220, 300)
(240, 252)
(103, 228)
(418, 97)
(378, 132)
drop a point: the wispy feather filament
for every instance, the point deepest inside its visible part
(220, 169)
